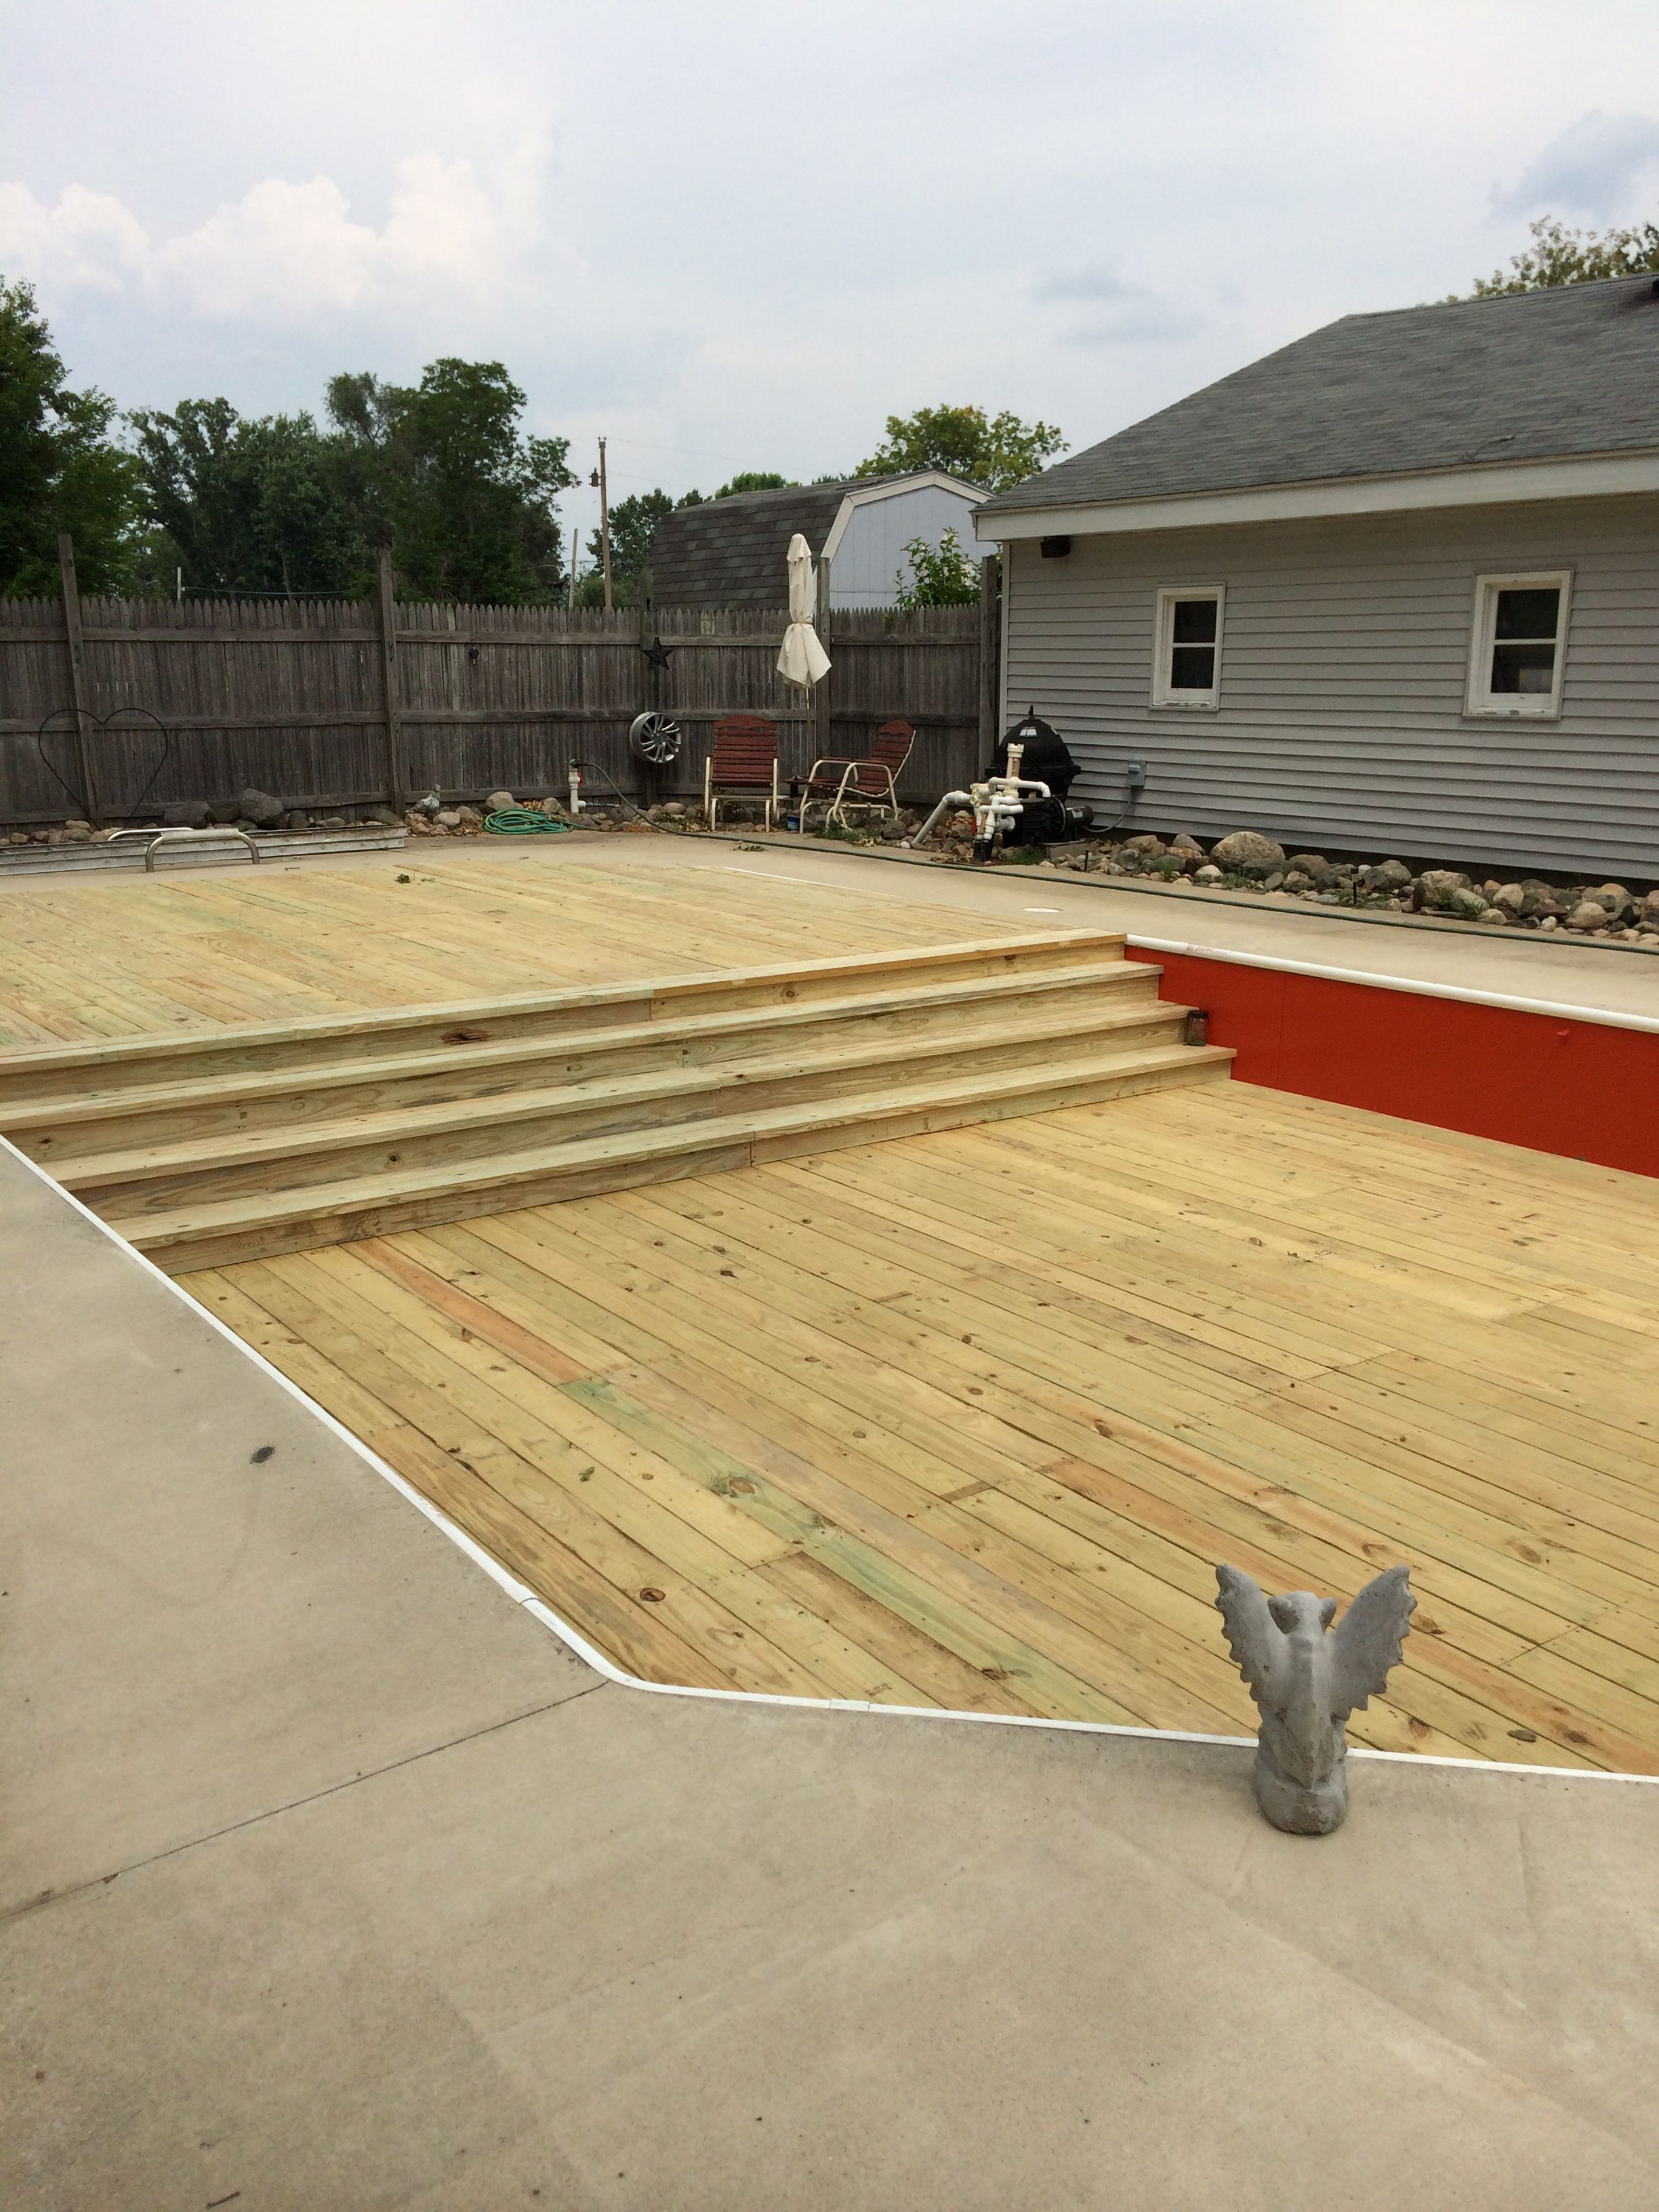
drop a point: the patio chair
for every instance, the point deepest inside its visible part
(869, 782)
(742, 765)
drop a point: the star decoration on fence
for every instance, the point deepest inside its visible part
(657, 652)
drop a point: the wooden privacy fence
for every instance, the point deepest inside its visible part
(351, 703)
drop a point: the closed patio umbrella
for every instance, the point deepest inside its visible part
(803, 659)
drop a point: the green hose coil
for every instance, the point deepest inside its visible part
(522, 822)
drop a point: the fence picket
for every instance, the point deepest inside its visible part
(286, 694)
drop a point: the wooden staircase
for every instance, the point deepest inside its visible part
(236, 1144)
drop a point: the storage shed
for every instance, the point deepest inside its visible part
(1394, 587)
(730, 552)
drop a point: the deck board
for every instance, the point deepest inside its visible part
(968, 1418)
(159, 954)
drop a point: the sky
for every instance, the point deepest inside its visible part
(734, 236)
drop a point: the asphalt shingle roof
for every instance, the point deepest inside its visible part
(731, 552)
(1527, 376)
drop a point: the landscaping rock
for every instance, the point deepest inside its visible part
(1247, 853)
(469, 819)
(1314, 866)
(1437, 885)
(1491, 914)
(1297, 882)
(187, 814)
(1189, 846)
(447, 818)
(385, 816)
(1386, 876)
(1589, 915)
(1615, 898)
(296, 818)
(259, 808)
(226, 810)
(1140, 856)
(1511, 897)
(499, 802)
(1208, 874)
(77, 833)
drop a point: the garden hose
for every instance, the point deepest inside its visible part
(521, 821)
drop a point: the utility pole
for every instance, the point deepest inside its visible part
(604, 525)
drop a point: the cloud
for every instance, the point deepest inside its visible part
(1123, 312)
(1086, 285)
(285, 250)
(1593, 167)
(88, 238)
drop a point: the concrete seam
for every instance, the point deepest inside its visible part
(292, 1805)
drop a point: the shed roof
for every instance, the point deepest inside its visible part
(1526, 376)
(731, 552)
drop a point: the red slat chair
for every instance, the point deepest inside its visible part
(871, 782)
(742, 765)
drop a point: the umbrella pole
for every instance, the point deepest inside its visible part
(819, 692)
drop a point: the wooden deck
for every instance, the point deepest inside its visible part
(228, 948)
(967, 1418)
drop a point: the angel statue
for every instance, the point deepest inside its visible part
(1305, 1684)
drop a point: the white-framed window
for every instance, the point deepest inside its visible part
(1186, 646)
(1519, 643)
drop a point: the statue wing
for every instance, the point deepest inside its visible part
(1365, 1642)
(1254, 1636)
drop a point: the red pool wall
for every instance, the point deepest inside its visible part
(1582, 1089)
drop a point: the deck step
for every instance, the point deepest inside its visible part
(152, 1180)
(244, 1143)
(73, 1120)
(51, 1071)
(259, 1224)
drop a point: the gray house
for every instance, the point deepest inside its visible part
(1394, 587)
(730, 552)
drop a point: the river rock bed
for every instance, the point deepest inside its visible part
(1249, 861)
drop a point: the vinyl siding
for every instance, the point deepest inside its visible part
(1343, 673)
(871, 555)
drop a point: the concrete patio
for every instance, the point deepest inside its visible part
(332, 1880)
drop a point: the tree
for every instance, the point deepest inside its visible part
(450, 482)
(994, 451)
(59, 467)
(633, 523)
(1560, 256)
(755, 480)
(438, 473)
(944, 576)
(271, 505)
